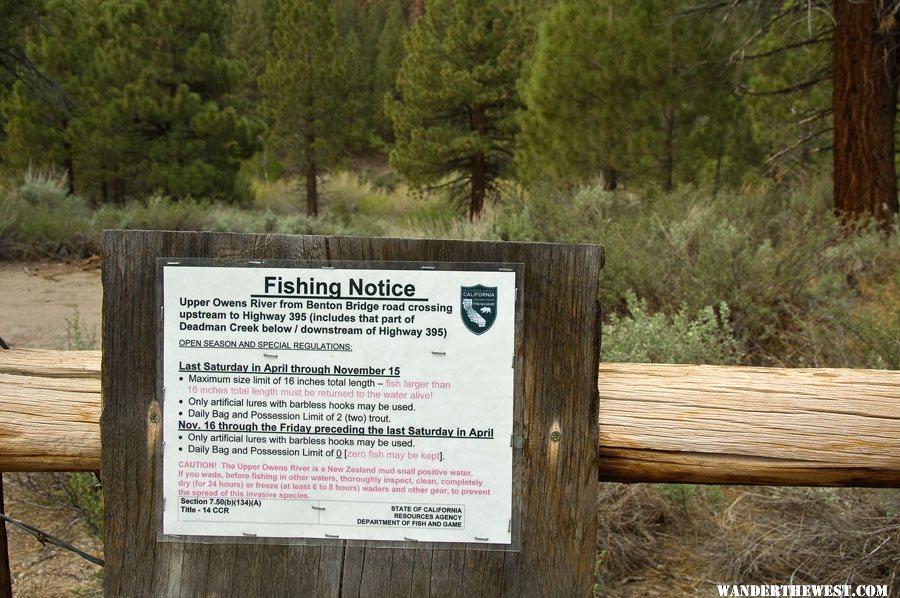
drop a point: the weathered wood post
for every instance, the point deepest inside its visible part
(5, 575)
(558, 368)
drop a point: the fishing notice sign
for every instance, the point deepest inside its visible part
(338, 402)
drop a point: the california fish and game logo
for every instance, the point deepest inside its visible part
(479, 307)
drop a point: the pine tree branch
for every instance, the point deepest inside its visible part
(776, 18)
(817, 114)
(822, 75)
(791, 148)
(704, 8)
(820, 39)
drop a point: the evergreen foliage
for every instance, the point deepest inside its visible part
(250, 40)
(163, 65)
(306, 92)
(454, 116)
(788, 91)
(16, 18)
(146, 103)
(38, 108)
(628, 89)
(387, 64)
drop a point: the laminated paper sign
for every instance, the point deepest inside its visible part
(338, 403)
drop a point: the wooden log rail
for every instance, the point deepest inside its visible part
(658, 423)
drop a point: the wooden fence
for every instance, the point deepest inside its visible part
(644, 423)
(658, 423)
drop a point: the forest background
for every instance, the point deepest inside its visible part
(736, 158)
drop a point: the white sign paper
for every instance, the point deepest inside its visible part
(338, 403)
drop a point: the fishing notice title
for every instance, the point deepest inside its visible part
(356, 404)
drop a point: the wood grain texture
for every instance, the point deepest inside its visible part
(740, 425)
(49, 410)
(663, 423)
(559, 365)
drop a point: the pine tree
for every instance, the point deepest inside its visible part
(41, 114)
(787, 92)
(836, 70)
(454, 117)
(250, 40)
(621, 89)
(169, 109)
(387, 64)
(17, 18)
(305, 91)
(574, 126)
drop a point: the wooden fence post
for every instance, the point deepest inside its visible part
(561, 339)
(5, 575)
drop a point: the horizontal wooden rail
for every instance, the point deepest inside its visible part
(658, 423)
(49, 410)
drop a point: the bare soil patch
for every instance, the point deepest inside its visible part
(36, 300)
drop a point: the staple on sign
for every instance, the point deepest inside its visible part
(318, 508)
(248, 534)
(270, 355)
(482, 539)
(332, 536)
(327, 267)
(410, 539)
(438, 352)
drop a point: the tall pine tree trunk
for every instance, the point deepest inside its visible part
(68, 162)
(119, 191)
(717, 177)
(416, 10)
(479, 185)
(70, 172)
(310, 173)
(865, 100)
(479, 173)
(610, 179)
(668, 155)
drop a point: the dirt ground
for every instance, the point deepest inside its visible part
(36, 301)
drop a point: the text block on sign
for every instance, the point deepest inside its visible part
(338, 402)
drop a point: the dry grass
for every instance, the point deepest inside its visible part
(806, 535)
(678, 540)
(43, 571)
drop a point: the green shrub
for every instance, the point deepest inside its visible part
(77, 338)
(801, 290)
(84, 493)
(39, 219)
(156, 213)
(645, 337)
(43, 190)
